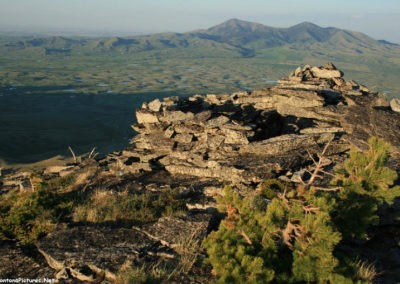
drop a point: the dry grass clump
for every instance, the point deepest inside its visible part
(366, 271)
(106, 205)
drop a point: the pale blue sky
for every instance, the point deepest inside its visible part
(379, 19)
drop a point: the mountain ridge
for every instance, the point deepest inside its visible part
(243, 36)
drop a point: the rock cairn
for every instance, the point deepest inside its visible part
(327, 77)
(245, 137)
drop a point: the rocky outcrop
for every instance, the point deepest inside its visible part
(196, 145)
(207, 136)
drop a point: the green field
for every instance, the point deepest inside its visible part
(143, 73)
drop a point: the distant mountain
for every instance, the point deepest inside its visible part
(255, 35)
(231, 38)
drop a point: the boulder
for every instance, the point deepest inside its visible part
(395, 105)
(326, 73)
(145, 117)
(154, 105)
(217, 121)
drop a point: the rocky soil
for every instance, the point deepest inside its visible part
(197, 145)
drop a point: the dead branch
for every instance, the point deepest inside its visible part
(73, 154)
(246, 237)
(328, 189)
(291, 231)
(92, 154)
(308, 209)
(284, 199)
(318, 166)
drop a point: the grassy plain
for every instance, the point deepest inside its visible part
(173, 72)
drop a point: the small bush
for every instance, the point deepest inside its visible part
(27, 216)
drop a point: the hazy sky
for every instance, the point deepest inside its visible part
(379, 19)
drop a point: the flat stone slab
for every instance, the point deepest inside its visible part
(174, 231)
(16, 264)
(102, 250)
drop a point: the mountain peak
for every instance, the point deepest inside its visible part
(306, 25)
(235, 26)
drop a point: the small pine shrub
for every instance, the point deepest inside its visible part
(365, 184)
(27, 216)
(288, 234)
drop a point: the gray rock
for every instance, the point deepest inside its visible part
(326, 74)
(183, 138)
(286, 143)
(214, 141)
(222, 173)
(395, 105)
(169, 132)
(298, 72)
(201, 117)
(319, 113)
(339, 81)
(137, 168)
(235, 137)
(155, 105)
(217, 121)
(298, 98)
(188, 127)
(329, 66)
(318, 130)
(144, 116)
(174, 116)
